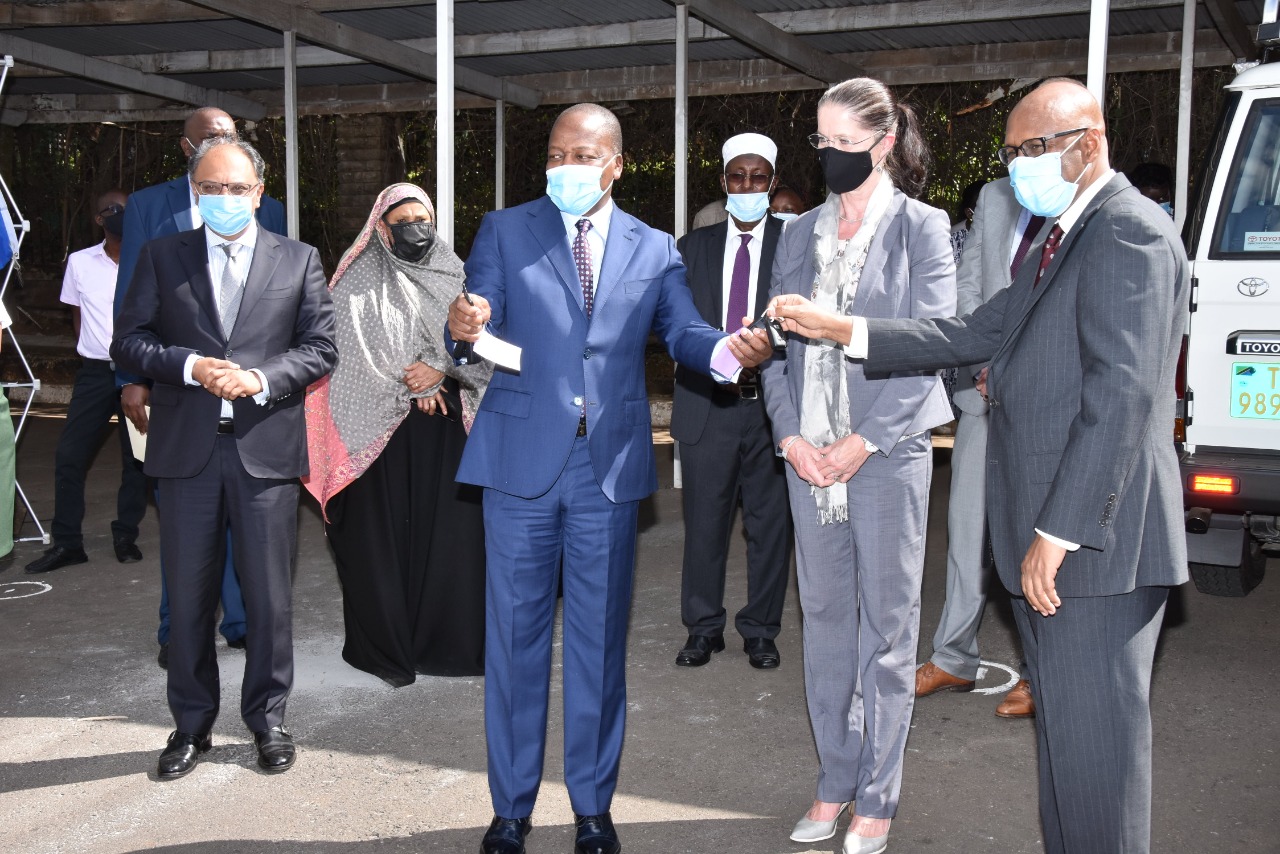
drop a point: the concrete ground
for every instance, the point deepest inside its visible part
(717, 759)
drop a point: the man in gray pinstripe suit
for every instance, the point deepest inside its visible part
(1084, 501)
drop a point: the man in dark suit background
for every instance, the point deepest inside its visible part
(232, 323)
(1084, 499)
(726, 445)
(564, 450)
(153, 212)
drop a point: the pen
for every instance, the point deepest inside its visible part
(462, 352)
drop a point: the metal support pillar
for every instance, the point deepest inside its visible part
(444, 120)
(291, 132)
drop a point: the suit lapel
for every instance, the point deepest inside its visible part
(764, 280)
(618, 250)
(180, 204)
(547, 227)
(872, 281)
(266, 257)
(195, 262)
(1027, 273)
(711, 247)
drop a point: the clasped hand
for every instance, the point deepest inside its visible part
(824, 466)
(225, 379)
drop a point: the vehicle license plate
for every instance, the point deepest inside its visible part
(1255, 390)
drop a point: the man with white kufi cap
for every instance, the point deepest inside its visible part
(726, 445)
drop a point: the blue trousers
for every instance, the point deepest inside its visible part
(525, 541)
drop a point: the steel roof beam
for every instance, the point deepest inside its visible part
(128, 79)
(317, 29)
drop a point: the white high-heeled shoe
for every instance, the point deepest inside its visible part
(808, 830)
(854, 844)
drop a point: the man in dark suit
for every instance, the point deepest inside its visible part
(726, 445)
(1084, 501)
(153, 212)
(228, 438)
(564, 450)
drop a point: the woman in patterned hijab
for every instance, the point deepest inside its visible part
(385, 434)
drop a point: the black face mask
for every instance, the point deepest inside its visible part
(413, 240)
(845, 171)
(114, 224)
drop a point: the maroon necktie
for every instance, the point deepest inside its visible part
(1046, 255)
(739, 284)
(582, 259)
(1034, 224)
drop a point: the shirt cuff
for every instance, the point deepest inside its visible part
(870, 446)
(725, 366)
(1060, 543)
(264, 396)
(192, 358)
(857, 346)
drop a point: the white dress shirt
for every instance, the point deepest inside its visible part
(732, 241)
(90, 285)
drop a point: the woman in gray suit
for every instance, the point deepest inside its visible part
(858, 450)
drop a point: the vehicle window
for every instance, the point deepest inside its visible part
(1249, 222)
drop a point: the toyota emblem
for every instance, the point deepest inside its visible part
(1253, 287)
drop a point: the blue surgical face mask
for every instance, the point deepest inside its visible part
(747, 207)
(785, 216)
(226, 216)
(1038, 183)
(1167, 207)
(575, 189)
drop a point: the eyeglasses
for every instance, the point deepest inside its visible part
(843, 143)
(111, 210)
(742, 179)
(1033, 147)
(215, 188)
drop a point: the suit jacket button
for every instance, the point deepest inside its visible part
(586, 354)
(577, 401)
(230, 353)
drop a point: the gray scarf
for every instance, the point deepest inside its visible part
(837, 264)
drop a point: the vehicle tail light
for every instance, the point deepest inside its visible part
(1215, 484)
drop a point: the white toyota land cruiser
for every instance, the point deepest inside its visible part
(1229, 379)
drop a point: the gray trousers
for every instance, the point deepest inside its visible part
(860, 599)
(955, 643)
(1091, 678)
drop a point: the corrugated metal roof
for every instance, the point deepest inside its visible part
(563, 28)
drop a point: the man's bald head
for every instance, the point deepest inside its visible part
(205, 123)
(1062, 101)
(594, 120)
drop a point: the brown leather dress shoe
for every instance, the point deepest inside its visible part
(930, 679)
(1018, 703)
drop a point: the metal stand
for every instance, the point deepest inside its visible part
(21, 228)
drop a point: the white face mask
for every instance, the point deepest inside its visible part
(1038, 183)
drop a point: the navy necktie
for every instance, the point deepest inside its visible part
(582, 260)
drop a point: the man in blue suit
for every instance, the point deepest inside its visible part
(564, 451)
(153, 212)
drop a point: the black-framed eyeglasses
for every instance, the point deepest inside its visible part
(216, 188)
(843, 143)
(111, 210)
(1033, 147)
(741, 179)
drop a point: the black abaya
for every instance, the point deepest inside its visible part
(409, 544)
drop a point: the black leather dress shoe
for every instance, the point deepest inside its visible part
(127, 551)
(162, 658)
(275, 750)
(237, 643)
(181, 755)
(762, 653)
(56, 557)
(596, 835)
(698, 648)
(506, 835)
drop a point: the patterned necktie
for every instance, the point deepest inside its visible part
(231, 292)
(739, 285)
(1046, 255)
(582, 259)
(1034, 224)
